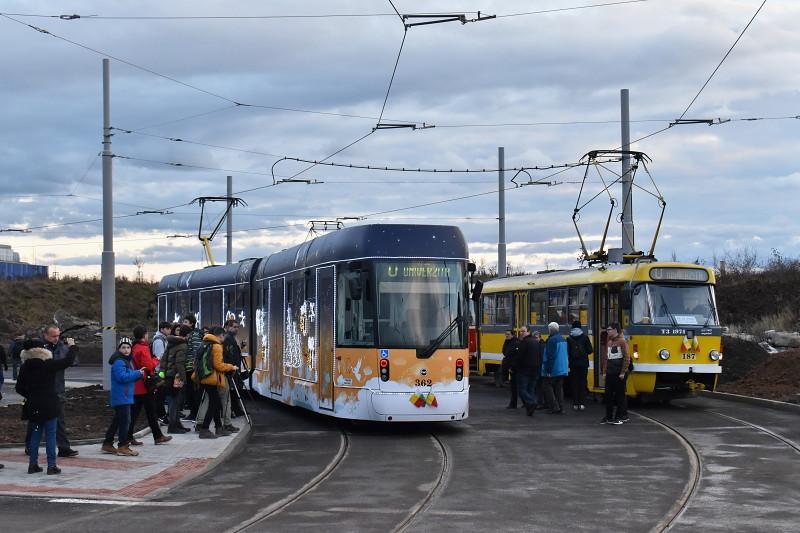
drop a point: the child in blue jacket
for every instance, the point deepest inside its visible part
(123, 376)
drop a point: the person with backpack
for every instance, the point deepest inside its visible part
(579, 348)
(123, 376)
(194, 349)
(174, 368)
(210, 372)
(144, 390)
(555, 365)
(158, 347)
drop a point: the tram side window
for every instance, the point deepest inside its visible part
(503, 309)
(356, 310)
(557, 306)
(538, 301)
(579, 305)
(641, 305)
(497, 309)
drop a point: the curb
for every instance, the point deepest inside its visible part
(762, 402)
(239, 441)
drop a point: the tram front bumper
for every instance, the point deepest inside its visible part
(421, 406)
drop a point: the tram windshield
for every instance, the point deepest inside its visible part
(418, 301)
(674, 305)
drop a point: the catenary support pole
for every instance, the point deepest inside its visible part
(628, 244)
(501, 186)
(229, 237)
(109, 303)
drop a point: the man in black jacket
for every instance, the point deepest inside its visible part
(508, 368)
(232, 354)
(579, 347)
(529, 363)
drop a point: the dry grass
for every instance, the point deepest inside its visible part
(30, 303)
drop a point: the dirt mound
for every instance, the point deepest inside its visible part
(777, 378)
(740, 357)
(87, 414)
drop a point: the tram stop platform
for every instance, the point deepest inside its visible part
(96, 475)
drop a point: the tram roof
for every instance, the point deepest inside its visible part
(612, 273)
(208, 277)
(369, 241)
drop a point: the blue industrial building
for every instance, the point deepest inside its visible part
(11, 267)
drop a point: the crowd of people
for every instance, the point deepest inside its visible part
(182, 368)
(536, 370)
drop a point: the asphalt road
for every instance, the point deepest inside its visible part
(497, 471)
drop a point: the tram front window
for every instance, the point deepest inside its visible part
(418, 301)
(674, 305)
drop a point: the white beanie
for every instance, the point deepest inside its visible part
(552, 326)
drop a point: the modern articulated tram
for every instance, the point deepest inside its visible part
(366, 323)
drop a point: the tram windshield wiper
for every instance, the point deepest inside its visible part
(435, 343)
(665, 308)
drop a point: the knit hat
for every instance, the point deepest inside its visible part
(576, 324)
(125, 340)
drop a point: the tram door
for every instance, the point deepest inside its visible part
(326, 279)
(276, 332)
(521, 317)
(606, 313)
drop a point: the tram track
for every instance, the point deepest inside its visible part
(435, 490)
(762, 429)
(280, 505)
(695, 476)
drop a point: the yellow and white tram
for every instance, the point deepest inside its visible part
(667, 310)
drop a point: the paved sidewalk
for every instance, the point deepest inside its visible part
(94, 474)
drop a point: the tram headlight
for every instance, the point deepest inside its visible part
(715, 355)
(663, 354)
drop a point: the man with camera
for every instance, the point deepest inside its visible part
(59, 348)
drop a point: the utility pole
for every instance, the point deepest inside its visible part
(628, 245)
(229, 238)
(501, 186)
(109, 303)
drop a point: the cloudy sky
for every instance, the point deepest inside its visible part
(543, 85)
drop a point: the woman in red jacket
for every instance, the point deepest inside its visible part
(144, 389)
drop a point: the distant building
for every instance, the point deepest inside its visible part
(11, 267)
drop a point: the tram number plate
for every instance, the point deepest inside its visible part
(689, 356)
(423, 382)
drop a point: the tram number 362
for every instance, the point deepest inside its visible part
(423, 382)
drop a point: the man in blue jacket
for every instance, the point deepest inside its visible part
(554, 367)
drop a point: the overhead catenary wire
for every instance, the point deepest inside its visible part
(696, 96)
(741, 33)
(78, 17)
(183, 83)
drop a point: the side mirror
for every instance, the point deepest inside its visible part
(477, 290)
(471, 268)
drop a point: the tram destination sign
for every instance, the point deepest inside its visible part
(678, 274)
(419, 270)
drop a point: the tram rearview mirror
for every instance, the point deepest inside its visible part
(471, 267)
(476, 290)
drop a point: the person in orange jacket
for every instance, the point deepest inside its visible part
(212, 383)
(144, 389)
